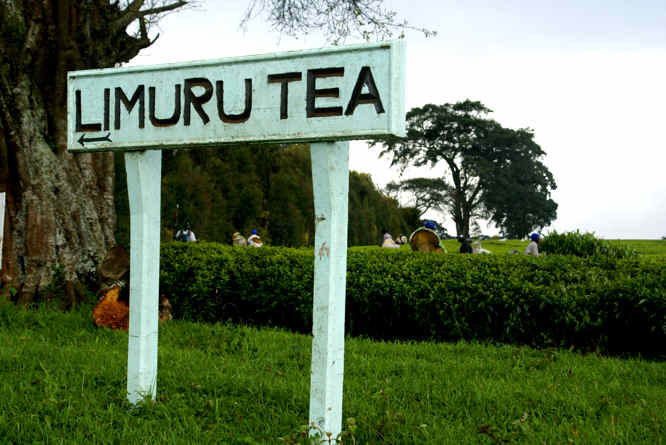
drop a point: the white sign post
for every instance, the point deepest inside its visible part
(317, 96)
(330, 184)
(143, 184)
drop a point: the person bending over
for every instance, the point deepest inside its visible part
(533, 247)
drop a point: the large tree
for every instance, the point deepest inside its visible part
(486, 170)
(60, 213)
(517, 186)
(60, 210)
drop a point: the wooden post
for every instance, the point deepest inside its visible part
(144, 169)
(330, 178)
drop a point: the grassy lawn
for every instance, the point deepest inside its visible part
(63, 381)
(495, 246)
(644, 247)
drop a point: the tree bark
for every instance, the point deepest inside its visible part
(59, 207)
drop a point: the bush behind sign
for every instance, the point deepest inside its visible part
(599, 303)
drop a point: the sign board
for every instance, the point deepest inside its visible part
(324, 97)
(339, 93)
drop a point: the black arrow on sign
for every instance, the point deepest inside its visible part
(83, 140)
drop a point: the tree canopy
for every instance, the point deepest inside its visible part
(486, 170)
(516, 188)
(268, 188)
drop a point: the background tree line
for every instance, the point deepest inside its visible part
(267, 187)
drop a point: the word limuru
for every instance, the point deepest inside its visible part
(197, 91)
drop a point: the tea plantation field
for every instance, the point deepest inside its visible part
(443, 349)
(643, 247)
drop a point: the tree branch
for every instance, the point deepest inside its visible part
(337, 19)
(161, 9)
(133, 12)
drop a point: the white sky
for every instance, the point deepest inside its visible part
(587, 76)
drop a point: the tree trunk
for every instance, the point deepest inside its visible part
(459, 208)
(59, 206)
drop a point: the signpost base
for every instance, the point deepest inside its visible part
(330, 181)
(144, 170)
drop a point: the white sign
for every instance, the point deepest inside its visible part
(339, 93)
(323, 96)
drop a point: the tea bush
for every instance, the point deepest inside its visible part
(582, 244)
(594, 303)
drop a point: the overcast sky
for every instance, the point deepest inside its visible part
(587, 76)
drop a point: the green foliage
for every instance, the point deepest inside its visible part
(643, 246)
(270, 286)
(583, 245)
(62, 380)
(486, 170)
(599, 303)
(370, 212)
(314, 435)
(516, 184)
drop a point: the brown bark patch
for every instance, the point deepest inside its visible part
(115, 265)
(39, 232)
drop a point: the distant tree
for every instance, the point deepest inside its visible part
(425, 193)
(60, 206)
(517, 186)
(371, 211)
(289, 200)
(475, 154)
(267, 187)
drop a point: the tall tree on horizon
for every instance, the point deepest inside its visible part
(59, 206)
(517, 186)
(487, 170)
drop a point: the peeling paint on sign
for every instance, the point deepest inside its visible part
(324, 251)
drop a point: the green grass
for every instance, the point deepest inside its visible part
(495, 246)
(63, 381)
(644, 247)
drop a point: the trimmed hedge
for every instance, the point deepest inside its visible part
(599, 303)
(583, 244)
